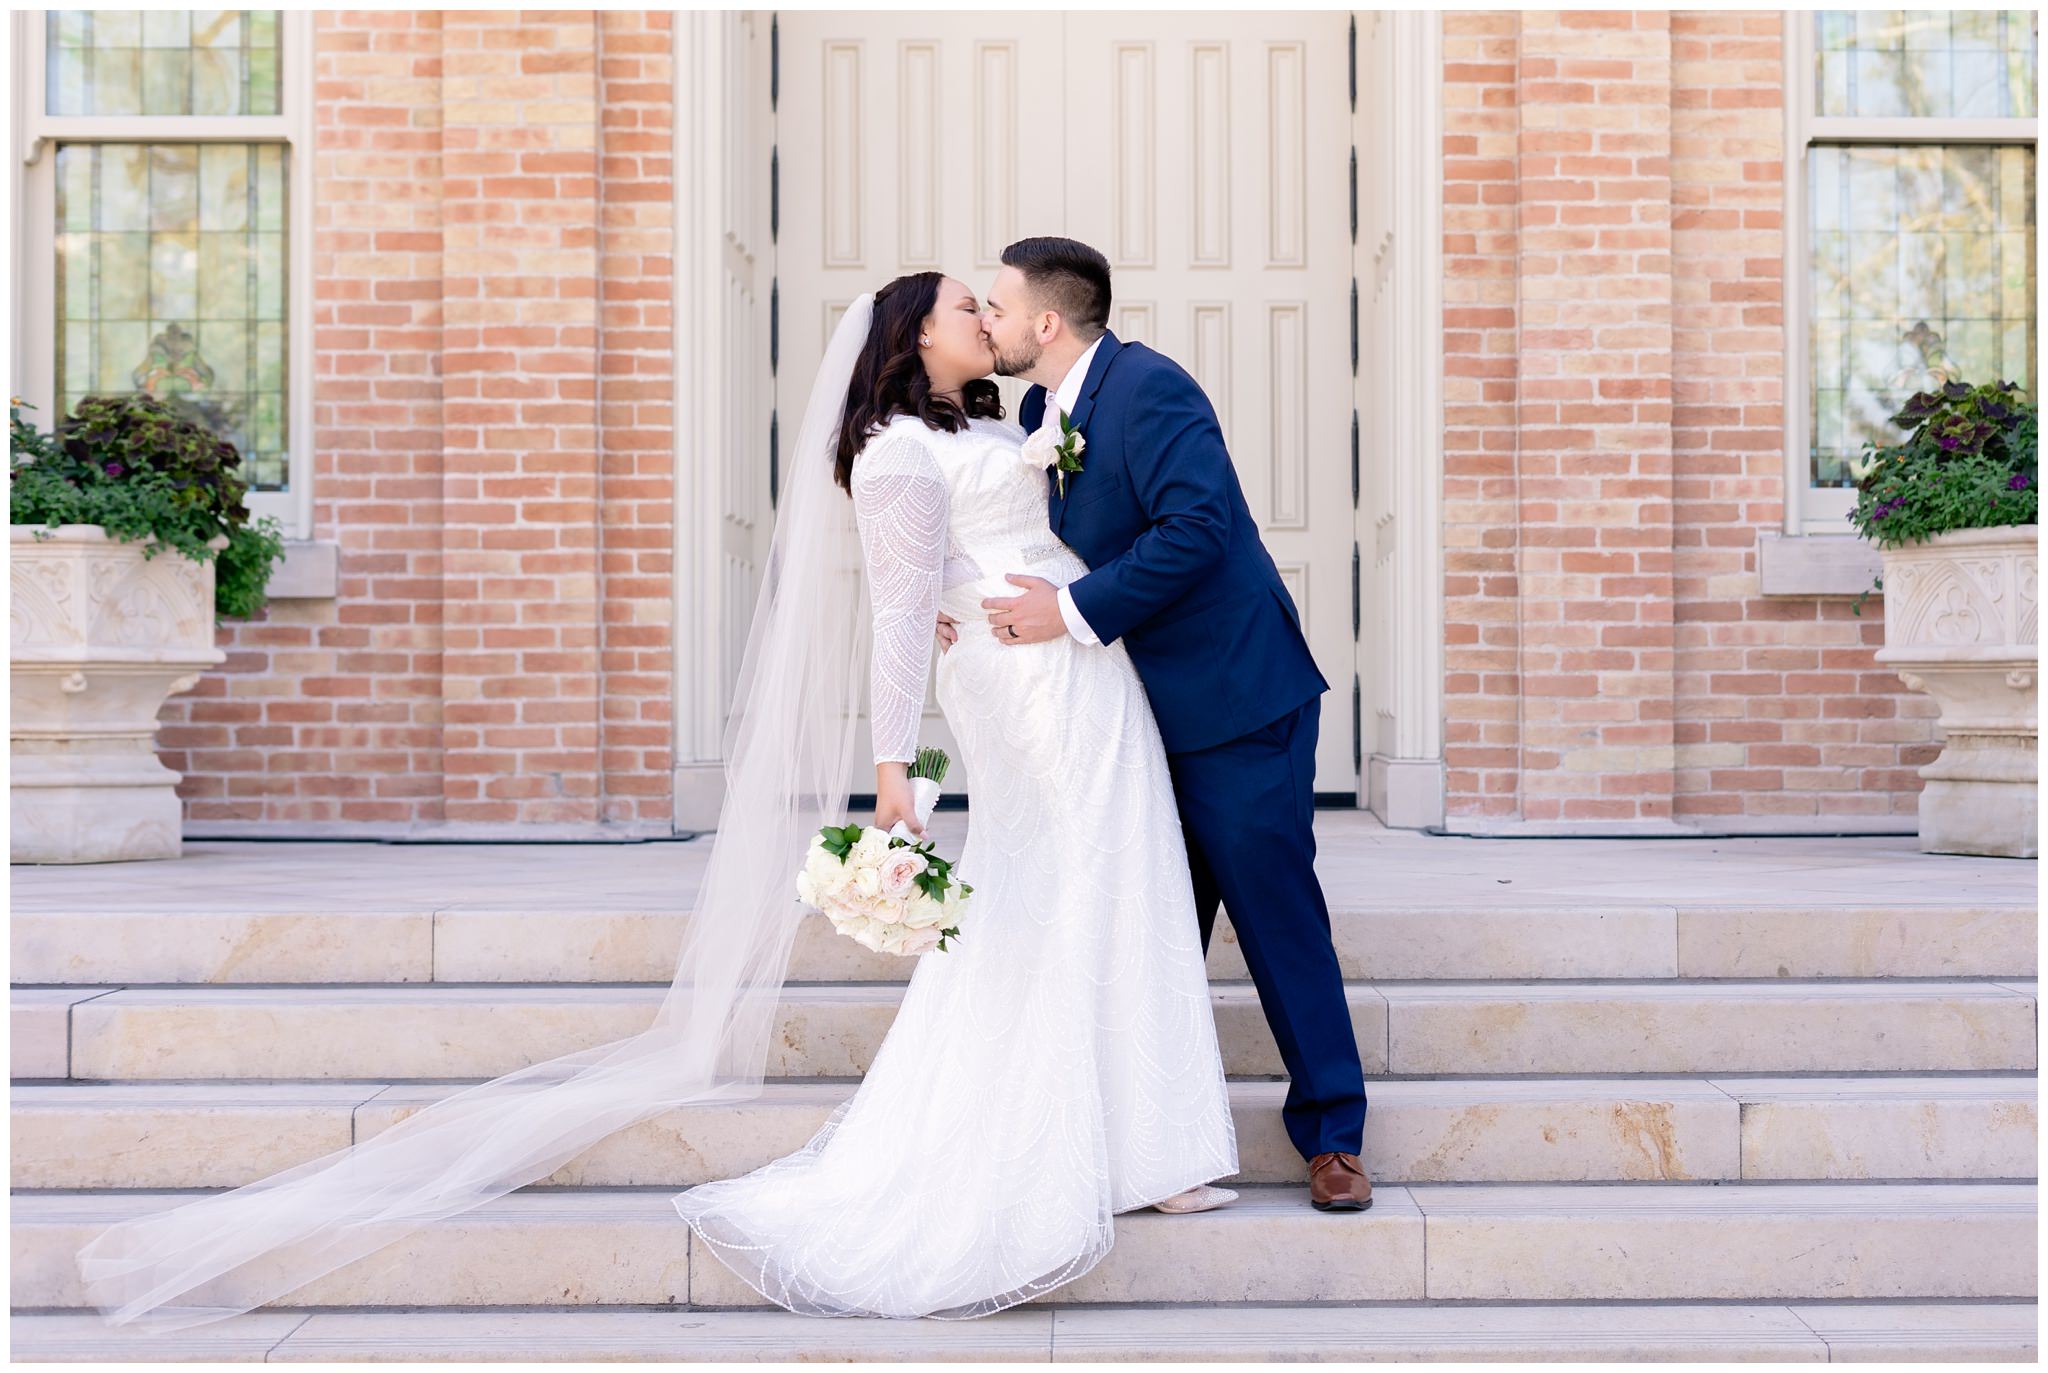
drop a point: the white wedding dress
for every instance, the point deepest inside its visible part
(1058, 1064)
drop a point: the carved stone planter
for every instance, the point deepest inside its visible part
(1960, 625)
(101, 637)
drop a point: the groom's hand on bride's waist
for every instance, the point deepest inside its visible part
(1031, 617)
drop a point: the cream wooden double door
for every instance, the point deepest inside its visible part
(1205, 153)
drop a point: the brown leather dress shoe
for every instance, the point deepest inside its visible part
(1337, 1183)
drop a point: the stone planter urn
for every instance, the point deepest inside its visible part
(1960, 625)
(101, 636)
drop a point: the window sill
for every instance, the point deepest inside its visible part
(1815, 564)
(310, 571)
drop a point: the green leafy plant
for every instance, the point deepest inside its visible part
(144, 471)
(1970, 460)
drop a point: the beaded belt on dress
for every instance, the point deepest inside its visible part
(1005, 559)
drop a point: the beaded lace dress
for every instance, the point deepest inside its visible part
(1058, 1064)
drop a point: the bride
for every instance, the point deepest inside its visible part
(1060, 1065)
(1056, 1066)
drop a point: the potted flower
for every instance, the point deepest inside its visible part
(129, 535)
(1953, 511)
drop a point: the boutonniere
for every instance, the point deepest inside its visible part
(1057, 445)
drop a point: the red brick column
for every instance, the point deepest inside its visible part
(1595, 416)
(520, 674)
(1481, 529)
(636, 79)
(1559, 668)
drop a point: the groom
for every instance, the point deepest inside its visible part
(1180, 576)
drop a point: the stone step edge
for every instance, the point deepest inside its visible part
(1708, 1117)
(826, 1080)
(1946, 1025)
(1409, 988)
(1920, 1331)
(1968, 1195)
(627, 1245)
(398, 942)
(1769, 1081)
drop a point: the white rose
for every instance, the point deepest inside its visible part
(806, 889)
(922, 912)
(870, 848)
(867, 881)
(832, 877)
(1080, 443)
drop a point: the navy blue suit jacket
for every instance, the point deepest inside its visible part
(1177, 569)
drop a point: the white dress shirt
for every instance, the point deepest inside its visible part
(1066, 395)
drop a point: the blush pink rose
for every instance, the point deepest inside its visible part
(899, 872)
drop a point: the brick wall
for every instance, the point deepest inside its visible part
(1613, 308)
(491, 446)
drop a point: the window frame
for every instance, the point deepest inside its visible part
(35, 246)
(1813, 509)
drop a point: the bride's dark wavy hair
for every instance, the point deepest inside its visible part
(889, 378)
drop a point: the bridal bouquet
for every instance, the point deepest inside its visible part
(883, 889)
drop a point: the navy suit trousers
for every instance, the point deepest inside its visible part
(1247, 808)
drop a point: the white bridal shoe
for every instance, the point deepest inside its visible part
(1201, 1198)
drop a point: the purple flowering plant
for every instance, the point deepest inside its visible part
(149, 471)
(1969, 460)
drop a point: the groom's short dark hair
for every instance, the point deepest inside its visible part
(1068, 276)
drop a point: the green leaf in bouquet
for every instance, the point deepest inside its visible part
(839, 840)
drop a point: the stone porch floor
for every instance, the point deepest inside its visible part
(1368, 863)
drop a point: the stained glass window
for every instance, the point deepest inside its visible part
(196, 62)
(1960, 64)
(171, 279)
(1920, 254)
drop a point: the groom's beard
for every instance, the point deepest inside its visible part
(1016, 364)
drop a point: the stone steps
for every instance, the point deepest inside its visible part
(1543, 1243)
(1374, 941)
(1813, 1332)
(1606, 1124)
(149, 1135)
(1410, 1029)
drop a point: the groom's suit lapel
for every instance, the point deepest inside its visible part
(1084, 406)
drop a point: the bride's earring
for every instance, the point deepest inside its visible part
(925, 342)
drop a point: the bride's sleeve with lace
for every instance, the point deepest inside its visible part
(899, 502)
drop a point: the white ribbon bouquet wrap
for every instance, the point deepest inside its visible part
(886, 889)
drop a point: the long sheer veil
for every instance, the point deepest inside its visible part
(790, 752)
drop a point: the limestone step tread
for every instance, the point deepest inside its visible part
(1588, 1242)
(1474, 1028)
(1803, 1332)
(1375, 938)
(142, 1135)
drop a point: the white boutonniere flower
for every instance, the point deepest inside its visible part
(1056, 445)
